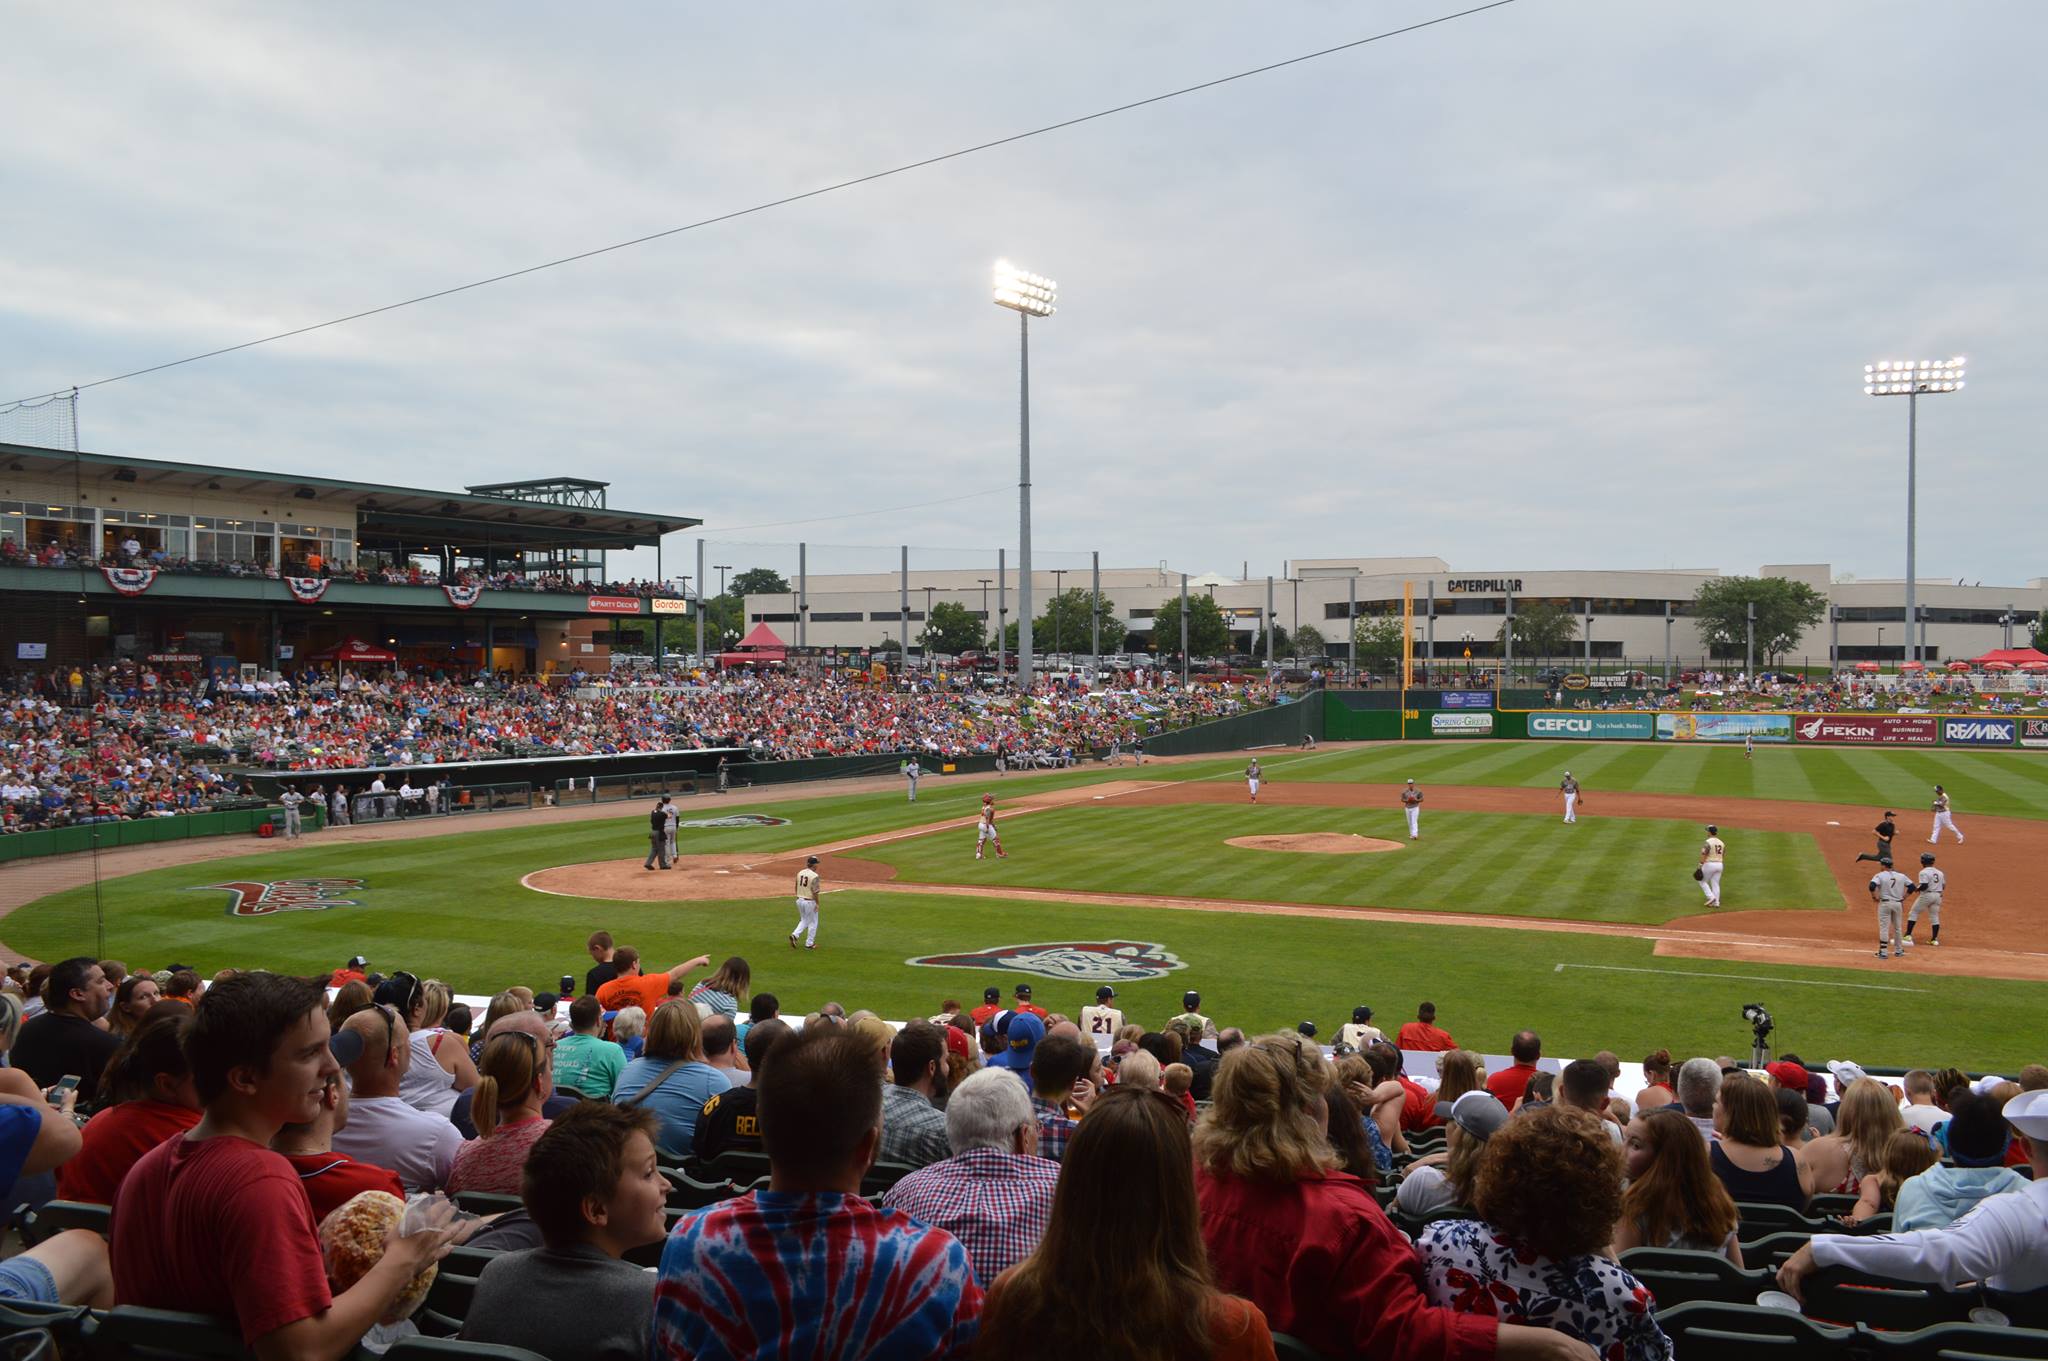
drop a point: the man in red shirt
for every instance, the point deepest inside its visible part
(355, 971)
(1509, 1084)
(331, 1179)
(1422, 1034)
(1024, 1002)
(991, 1003)
(260, 1060)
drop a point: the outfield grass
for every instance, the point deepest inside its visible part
(1617, 870)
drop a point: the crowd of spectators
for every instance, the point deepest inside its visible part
(1039, 1191)
(124, 741)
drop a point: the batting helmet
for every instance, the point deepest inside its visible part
(1927, 857)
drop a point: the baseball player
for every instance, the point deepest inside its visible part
(1748, 747)
(1713, 856)
(986, 831)
(669, 824)
(337, 807)
(808, 887)
(1570, 789)
(1942, 818)
(1885, 830)
(1933, 883)
(1888, 890)
(1411, 803)
(291, 799)
(1251, 777)
(657, 835)
(910, 774)
(1191, 1007)
(1102, 1018)
(1360, 1032)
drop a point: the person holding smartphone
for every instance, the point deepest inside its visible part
(67, 1038)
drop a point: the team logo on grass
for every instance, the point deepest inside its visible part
(1068, 961)
(738, 820)
(261, 898)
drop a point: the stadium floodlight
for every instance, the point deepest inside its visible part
(1912, 379)
(1028, 295)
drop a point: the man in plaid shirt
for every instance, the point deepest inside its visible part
(913, 1130)
(1060, 1061)
(994, 1194)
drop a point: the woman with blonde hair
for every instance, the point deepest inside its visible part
(1864, 1124)
(1121, 1272)
(1443, 1180)
(516, 1081)
(1306, 1243)
(725, 991)
(1673, 1199)
(1458, 1071)
(671, 1077)
(1906, 1155)
(502, 1005)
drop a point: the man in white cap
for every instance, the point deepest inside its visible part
(1411, 804)
(2003, 1242)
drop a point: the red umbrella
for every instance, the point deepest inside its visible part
(2028, 666)
(1912, 666)
(2007, 666)
(1866, 666)
(1959, 666)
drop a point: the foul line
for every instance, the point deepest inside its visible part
(1746, 977)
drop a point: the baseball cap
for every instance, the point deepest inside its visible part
(357, 962)
(1104, 993)
(1788, 1075)
(1479, 1114)
(2028, 1113)
(346, 1046)
(991, 994)
(1022, 990)
(1885, 860)
(956, 1042)
(1361, 1015)
(1026, 1031)
(1845, 1072)
(812, 860)
(1307, 1028)
(1985, 1085)
(1191, 999)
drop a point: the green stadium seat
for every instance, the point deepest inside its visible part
(1838, 1295)
(55, 1216)
(128, 1333)
(453, 1349)
(1958, 1342)
(1771, 1250)
(688, 1193)
(2028, 1310)
(1707, 1331)
(70, 1326)
(1294, 1349)
(1758, 1220)
(1680, 1276)
(881, 1177)
(447, 1304)
(465, 1260)
(1829, 1205)
(488, 1202)
(1875, 1224)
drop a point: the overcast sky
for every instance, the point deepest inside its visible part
(1583, 284)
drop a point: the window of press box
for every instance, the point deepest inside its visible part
(227, 539)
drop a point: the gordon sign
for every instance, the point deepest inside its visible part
(668, 604)
(1479, 585)
(1609, 727)
(1867, 729)
(1461, 725)
(1978, 732)
(612, 604)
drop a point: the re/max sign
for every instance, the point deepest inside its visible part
(1471, 585)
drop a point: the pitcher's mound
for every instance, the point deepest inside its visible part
(1316, 843)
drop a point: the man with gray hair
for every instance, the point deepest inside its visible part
(995, 1193)
(1699, 1086)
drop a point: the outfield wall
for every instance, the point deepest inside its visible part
(142, 831)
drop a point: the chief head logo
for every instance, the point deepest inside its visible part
(1811, 729)
(261, 898)
(1071, 961)
(738, 820)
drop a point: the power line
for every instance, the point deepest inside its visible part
(856, 514)
(781, 202)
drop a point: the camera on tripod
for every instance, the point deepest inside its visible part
(1760, 1025)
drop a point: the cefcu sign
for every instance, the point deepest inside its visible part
(1596, 727)
(1978, 732)
(1461, 725)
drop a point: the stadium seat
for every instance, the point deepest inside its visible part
(1758, 1220)
(1875, 1224)
(70, 1326)
(2029, 1310)
(1838, 1295)
(56, 1216)
(1294, 1349)
(465, 1260)
(741, 1169)
(453, 1349)
(1680, 1276)
(447, 1303)
(882, 1176)
(1957, 1342)
(128, 1333)
(1830, 1205)
(1773, 1249)
(1708, 1331)
(687, 1193)
(487, 1202)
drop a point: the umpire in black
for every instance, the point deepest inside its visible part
(1885, 831)
(657, 835)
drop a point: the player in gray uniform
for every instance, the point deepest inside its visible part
(1933, 883)
(291, 799)
(671, 818)
(337, 807)
(910, 774)
(1888, 890)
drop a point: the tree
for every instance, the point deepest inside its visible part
(952, 628)
(1785, 610)
(1309, 641)
(725, 621)
(759, 581)
(1376, 641)
(888, 645)
(1541, 630)
(1283, 646)
(1208, 633)
(1065, 625)
(2039, 631)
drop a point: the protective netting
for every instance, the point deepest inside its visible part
(51, 423)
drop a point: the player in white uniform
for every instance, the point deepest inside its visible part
(1888, 890)
(1942, 818)
(1251, 777)
(1411, 803)
(1933, 883)
(1570, 789)
(808, 886)
(1713, 855)
(986, 831)
(1360, 1032)
(1102, 1018)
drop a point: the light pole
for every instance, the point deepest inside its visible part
(721, 568)
(1059, 581)
(1294, 629)
(1909, 378)
(1028, 295)
(984, 610)
(926, 641)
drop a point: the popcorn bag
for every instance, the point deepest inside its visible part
(352, 1240)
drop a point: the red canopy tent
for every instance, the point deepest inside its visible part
(354, 650)
(757, 647)
(2015, 655)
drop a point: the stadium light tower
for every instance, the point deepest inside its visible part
(1910, 378)
(1028, 295)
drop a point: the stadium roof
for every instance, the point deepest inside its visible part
(405, 514)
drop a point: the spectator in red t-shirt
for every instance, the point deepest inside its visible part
(331, 1179)
(1422, 1034)
(355, 971)
(1509, 1083)
(151, 1088)
(215, 1222)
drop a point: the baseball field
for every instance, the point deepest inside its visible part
(1164, 877)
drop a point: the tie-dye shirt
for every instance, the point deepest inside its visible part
(812, 1277)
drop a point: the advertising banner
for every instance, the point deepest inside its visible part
(1978, 732)
(612, 604)
(666, 604)
(1604, 727)
(1867, 729)
(1724, 727)
(1461, 725)
(2034, 732)
(1468, 699)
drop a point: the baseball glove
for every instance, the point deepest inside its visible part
(1698, 873)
